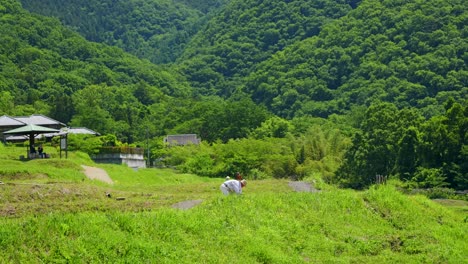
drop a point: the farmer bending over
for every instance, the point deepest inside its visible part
(233, 186)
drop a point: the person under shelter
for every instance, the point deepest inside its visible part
(32, 149)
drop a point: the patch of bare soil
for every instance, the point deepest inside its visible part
(301, 186)
(451, 202)
(94, 173)
(187, 204)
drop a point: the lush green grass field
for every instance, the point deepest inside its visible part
(51, 213)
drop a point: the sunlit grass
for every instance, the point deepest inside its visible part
(52, 213)
(267, 228)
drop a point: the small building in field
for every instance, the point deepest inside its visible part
(181, 139)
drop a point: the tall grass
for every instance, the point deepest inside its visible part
(380, 225)
(68, 220)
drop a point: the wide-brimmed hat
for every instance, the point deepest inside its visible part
(244, 182)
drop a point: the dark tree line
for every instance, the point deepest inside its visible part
(149, 29)
(401, 143)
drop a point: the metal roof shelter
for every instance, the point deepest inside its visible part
(22, 128)
(11, 122)
(6, 121)
(30, 130)
(72, 130)
(40, 120)
(79, 130)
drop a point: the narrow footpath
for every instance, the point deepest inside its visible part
(94, 173)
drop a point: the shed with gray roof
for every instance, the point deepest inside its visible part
(181, 139)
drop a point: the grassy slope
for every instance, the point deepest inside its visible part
(52, 213)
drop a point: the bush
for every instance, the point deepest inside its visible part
(429, 177)
(257, 174)
(87, 143)
(200, 164)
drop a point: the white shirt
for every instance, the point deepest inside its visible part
(231, 186)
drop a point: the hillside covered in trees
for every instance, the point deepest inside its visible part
(346, 89)
(154, 30)
(410, 53)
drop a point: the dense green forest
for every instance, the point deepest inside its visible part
(344, 90)
(246, 33)
(155, 30)
(410, 53)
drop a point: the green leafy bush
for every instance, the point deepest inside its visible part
(429, 178)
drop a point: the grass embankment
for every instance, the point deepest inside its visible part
(53, 213)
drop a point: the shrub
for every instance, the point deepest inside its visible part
(429, 177)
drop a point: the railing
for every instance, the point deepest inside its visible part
(121, 150)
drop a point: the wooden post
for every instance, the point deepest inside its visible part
(380, 179)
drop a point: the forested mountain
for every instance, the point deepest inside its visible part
(153, 29)
(411, 53)
(247, 32)
(298, 57)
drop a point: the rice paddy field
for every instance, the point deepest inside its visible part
(51, 212)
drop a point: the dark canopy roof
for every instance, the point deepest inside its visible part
(30, 129)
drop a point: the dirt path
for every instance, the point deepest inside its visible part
(97, 174)
(300, 186)
(187, 204)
